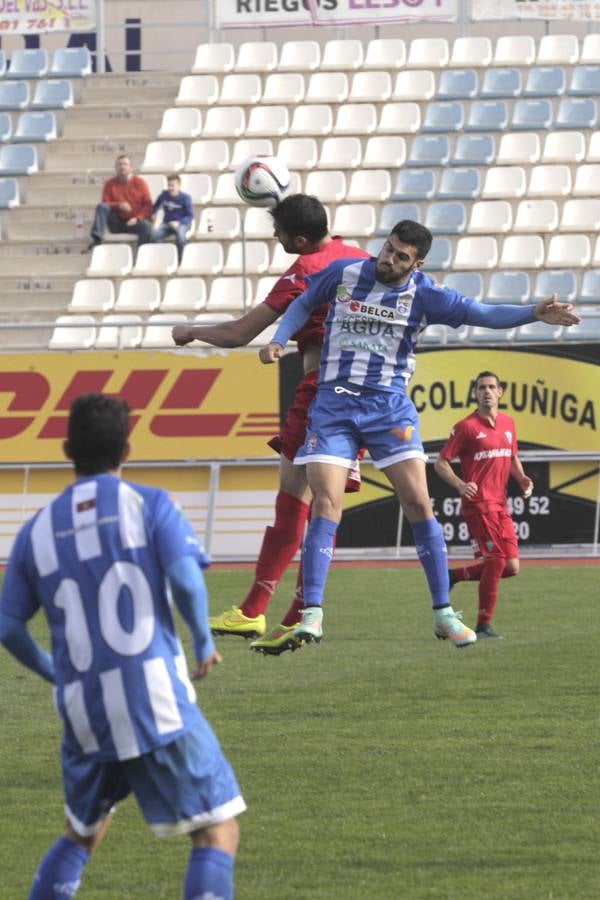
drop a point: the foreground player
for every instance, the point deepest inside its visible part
(377, 308)
(486, 445)
(97, 559)
(300, 225)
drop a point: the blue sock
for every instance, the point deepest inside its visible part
(317, 554)
(209, 874)
(431, 549)
(59, 874)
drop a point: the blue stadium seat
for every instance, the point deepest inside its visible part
(429, 150)
(487, 115)
(55, 94)
(457, 335)
(550, 281)
(590, 287)
(538, 332)
(444, 116)
(416, 184)
(440, 255)
(9, 193)
(481, 335)
(14, 95)
(5, 127)
(71, 62)
(457, 84)
(508, 287)
(585, 81)
(589, 327)
(474, 150)
(394, 212)
(18, 159)
(576, 113)
(468, 283)
(35, 126)
(433, 334)
(446, 218)
(459, 184)
(28, 63)
(501, 83)
(532, 115)
(545, 81)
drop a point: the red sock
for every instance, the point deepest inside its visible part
(294, 613)
(488, 589)
(468, 573)
(280, 543)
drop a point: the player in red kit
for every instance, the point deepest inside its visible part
(300, 225)
(486, 445)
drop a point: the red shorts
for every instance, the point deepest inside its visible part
(291, 437)
(493, 534)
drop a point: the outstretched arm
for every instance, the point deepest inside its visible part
(235, 333)
(505, 315)
(15, 636)
(189, 593)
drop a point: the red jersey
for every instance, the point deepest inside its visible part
(485, 452)
(294, 282)
(134, 191)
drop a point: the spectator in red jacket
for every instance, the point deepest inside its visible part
(126, 205)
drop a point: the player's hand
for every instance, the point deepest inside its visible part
(468, 489)
(125, 206)
(552, 312)
(205, 666)
(527, 487)
(131, 222)
(182, 334)
(173, 226)
(271, 353)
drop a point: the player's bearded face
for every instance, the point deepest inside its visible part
(396, 261)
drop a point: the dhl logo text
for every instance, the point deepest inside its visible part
(179, 395)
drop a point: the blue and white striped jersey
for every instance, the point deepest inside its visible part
(372, 328)
(95, 560)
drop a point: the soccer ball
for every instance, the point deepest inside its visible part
(262, 180)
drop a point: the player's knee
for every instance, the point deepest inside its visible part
(223, 836)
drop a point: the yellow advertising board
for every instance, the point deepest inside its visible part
(183, 406)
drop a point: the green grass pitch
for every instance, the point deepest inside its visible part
(382, 764)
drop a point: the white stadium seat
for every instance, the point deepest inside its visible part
(587, 181)
(370, 87)
(355, 118)
(385, 53)
(399, 118)
(312, 120)
(184, 294)
(258, 224)
(240, 90)
(478, 253)
(536, 216)
(227, 293)
(471, 52)
(514, 50)
(224, 122)
(299, 56)
(155, 259)
(327, 87)
(580, 215)
(197, 90)
(371, 185)
(342, 55)
(280, 262)
(164, 156)
(256, 260)
(340, 153)
(110, 261)
(490, 217)
(180, 122)
(119, 332)
(204, 258)
(198, 185)
(384, 152)
(247, 147)
(558, 50)
(522, 251)
(550, 181)
(428, 53)
(73, 333)
(517, 149)
(355, 219)
(284, 87)
(414, 85)
(138, 295)
(225, 192)
(568, 251)
(299, 153)
(219, 223)
(268, 121)
(504, 181)
(329, 186)
(157, 332)
(92, 295)
(256, 56)
(564, 147)
(208, 156)
(217, 58)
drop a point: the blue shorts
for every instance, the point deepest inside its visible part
(180, 787)
(342, 419)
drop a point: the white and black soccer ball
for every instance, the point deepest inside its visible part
(262, 180)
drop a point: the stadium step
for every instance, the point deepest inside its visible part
(40, 265)
(111, 129)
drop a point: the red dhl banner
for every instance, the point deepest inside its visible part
(183, 406)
